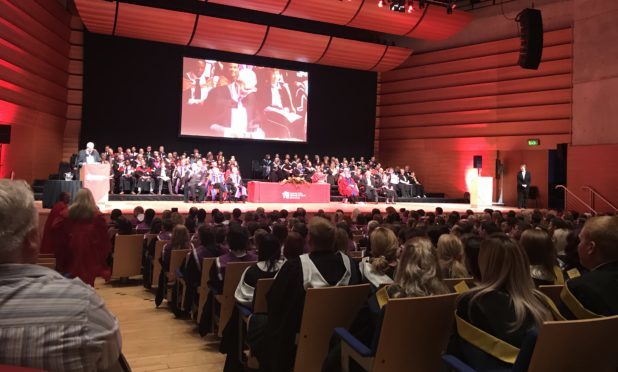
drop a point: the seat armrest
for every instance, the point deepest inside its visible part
(353, 342)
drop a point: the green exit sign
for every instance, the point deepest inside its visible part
(534, 142)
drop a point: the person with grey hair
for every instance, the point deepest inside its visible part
(88, 156)
(46, 321)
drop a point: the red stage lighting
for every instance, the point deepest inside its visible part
(410, 7)
(381, 3)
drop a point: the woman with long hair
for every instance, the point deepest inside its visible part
(504, 304)
(81, 240)
(379, 269)
(180, 240)
(542, 255)
(451, 257)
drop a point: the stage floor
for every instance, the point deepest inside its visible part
(160, 206)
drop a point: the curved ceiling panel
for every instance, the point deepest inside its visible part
(393, 57)
(154, 24)
(337, 12)
(437, 25)
(268, 6)
(352, 54)
(372, 17)
(293, 45)
(228, 35)
(97, 15)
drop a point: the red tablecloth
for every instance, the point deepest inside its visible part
(270, 192)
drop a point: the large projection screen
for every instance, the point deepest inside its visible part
(232, 100)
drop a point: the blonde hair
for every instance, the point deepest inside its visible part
(451, 256)
(505, 267)
(418, 272)
(384, 246)
(18, 217)
(83, 206)
(603, 231)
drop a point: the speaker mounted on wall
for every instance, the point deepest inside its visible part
(531, 36)
(5, 134)
(477, 161)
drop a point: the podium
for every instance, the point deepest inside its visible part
(95, 177)
(481, 192)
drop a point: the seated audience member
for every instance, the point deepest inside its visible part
(595, 293)
(472, 246)
(138, 215)
(47, 322)
(542, 256)
(294, 245)
(113, 216)
(61, 205)
(238, 244)
(505, 305)
(418, 275)
(322, 267)
(342, 241)
(451, 256)
(208, 246)
(379, 268)
(149, 215)
(81, 240)
(180, 240)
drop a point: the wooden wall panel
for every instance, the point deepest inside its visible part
(34, 64)
(438, 109)
(70, 139)
(593, 166)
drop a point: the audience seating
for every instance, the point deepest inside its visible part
(156, 264)
(325, 309)
(552, 291)
(260, 306)
(203, 290)
(176, 259)
(47, 260)
(452, 282)
(558, 346)
(128, 251)
(233, 272)
(413, 336)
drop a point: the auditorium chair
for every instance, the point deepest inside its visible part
(203, 290)
(156, 262)
(575, 345)
(233, 272)
(176, 259)
(325, 309)
(552, 291)
(413, 336)
(452, 282)
(47, 260)
(128, 251)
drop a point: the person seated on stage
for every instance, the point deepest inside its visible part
(405, 186)
(347, 187)
(504, 304)
(195, 182)
(48, 322)
(286, 169)
(322, 267)
(542, 255)
(387, 188)
(418, 275)
(127, 178)
(216, 180)
(237, 190)
(379, 268)
(368, 185)
(451, 255)
(595, 293)
(163, 174)
(418, 189)
(266, 166)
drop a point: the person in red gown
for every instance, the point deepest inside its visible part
(347, 186)
(61, 205)
(80, 240)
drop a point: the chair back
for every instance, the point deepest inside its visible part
(414, 333)
(577, 345)
(233, 272)
(50, 263)
(261, 289)
(452, 282)
(552, 291)
(128, 251)
(325, 309)
(203, 290)
(176, 259)
(156, 264)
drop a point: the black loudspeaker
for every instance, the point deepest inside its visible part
(531, 34)
(5, 134)
(477, 161)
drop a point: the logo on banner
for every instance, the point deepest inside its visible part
(287, 195)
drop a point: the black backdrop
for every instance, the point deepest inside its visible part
(132, 94)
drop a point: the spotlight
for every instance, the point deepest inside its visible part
(381, 3)
(410, 6)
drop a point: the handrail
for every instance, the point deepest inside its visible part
(569, 192)
(594, 193)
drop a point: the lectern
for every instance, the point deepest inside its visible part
(481, 192)
(95, 177)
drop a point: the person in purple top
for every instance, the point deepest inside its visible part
(208, 244)
(238, 243)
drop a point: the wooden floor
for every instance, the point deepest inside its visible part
(152, 339)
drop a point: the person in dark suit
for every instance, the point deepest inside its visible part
(595, 293)
(368, 185)
(523, 186)
(88, 155)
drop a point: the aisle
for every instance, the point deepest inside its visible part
(152, 339)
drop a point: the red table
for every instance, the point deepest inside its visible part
(271, 192)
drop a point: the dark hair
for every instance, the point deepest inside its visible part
(149, 216)
(472, 246)
(168, 225)
(190, 225)
(201, 215)
(115, 214)
(301, 228)
(156, 225)
(294, 245)
(238, 239)
(236, 213)
(280, 231)
(206, 235)
(269, 250)
(124, 226)
(218, 217)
